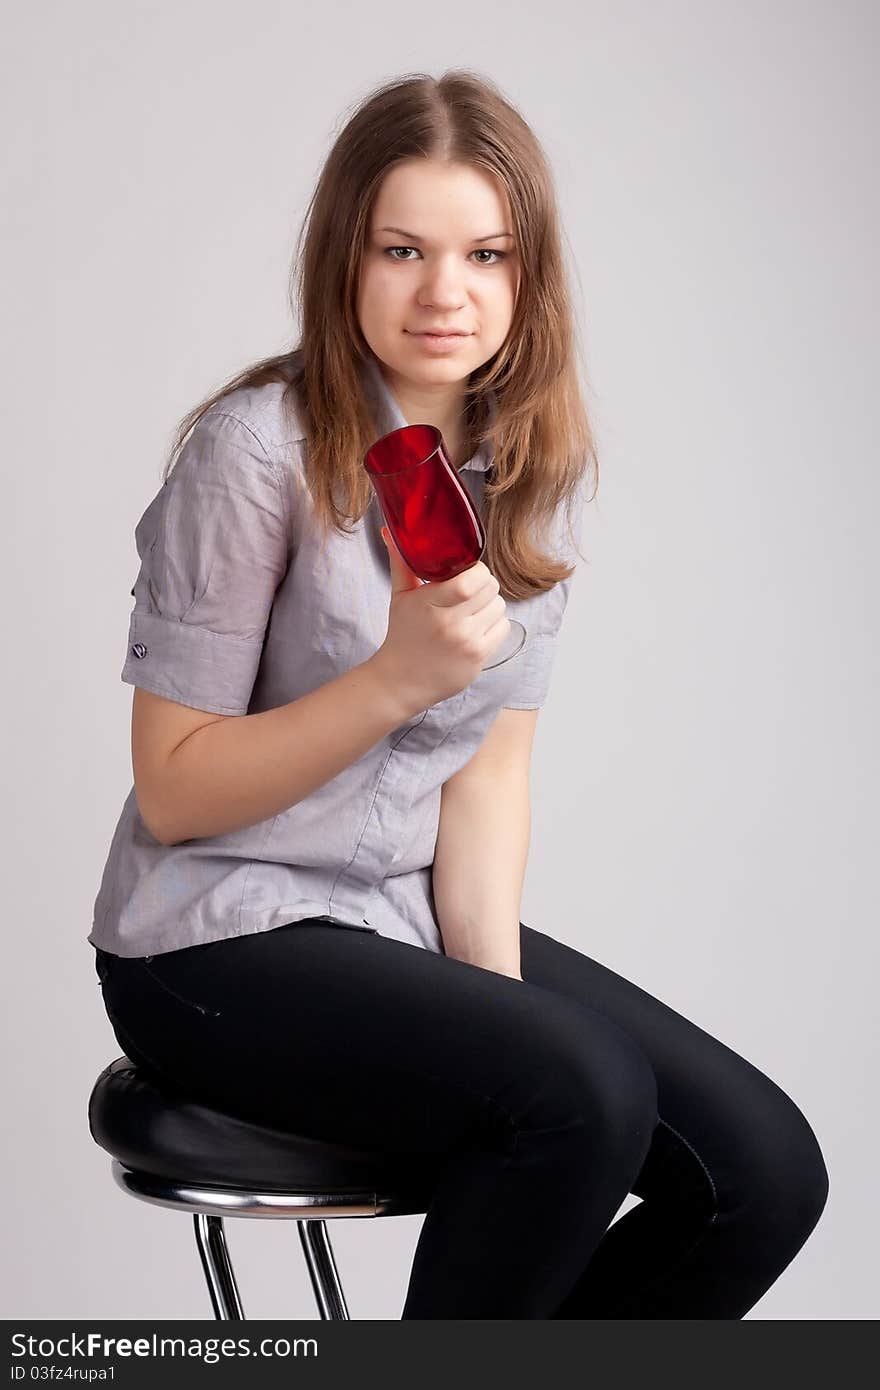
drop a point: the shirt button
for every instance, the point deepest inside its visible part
(139, 650)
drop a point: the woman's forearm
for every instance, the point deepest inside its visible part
(239, 771)
(479, 868)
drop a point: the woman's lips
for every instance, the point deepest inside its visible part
(438, 341)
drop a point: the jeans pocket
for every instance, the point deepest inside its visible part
(346, 926)
(102, 965)
(158, 974)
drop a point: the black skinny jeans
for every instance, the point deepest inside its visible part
(547, 1100)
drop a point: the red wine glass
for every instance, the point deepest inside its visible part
(429, 513)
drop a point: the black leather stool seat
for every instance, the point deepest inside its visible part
(154, 1129)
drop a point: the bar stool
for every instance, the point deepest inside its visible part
(173, 1151)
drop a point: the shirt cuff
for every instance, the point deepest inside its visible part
(534, 675)
(192, 665)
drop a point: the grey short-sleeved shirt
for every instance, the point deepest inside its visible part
(239, 608)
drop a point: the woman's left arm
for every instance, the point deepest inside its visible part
(482, 847)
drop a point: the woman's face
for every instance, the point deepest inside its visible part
(446, 267)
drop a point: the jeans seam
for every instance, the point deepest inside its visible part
(487, 1101)
(699, 1160)
(676, 1264)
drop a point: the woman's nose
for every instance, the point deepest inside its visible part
(442, 287)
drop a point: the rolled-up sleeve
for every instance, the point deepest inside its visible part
(213, 546)
(543, 618)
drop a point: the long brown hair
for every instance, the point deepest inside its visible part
(541, 434)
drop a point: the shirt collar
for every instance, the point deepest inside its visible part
(389, 416)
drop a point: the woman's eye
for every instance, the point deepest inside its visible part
(482, 251)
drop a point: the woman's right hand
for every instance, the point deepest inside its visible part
(441, 634)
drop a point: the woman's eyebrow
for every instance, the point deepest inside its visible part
(413, 236)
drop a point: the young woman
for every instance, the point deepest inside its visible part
(309, 912)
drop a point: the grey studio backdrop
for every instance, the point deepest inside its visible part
(705, 770)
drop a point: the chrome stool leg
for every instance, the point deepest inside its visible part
(211, 1241)
(322, 1269)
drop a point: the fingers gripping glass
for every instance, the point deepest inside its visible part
(429, 513)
